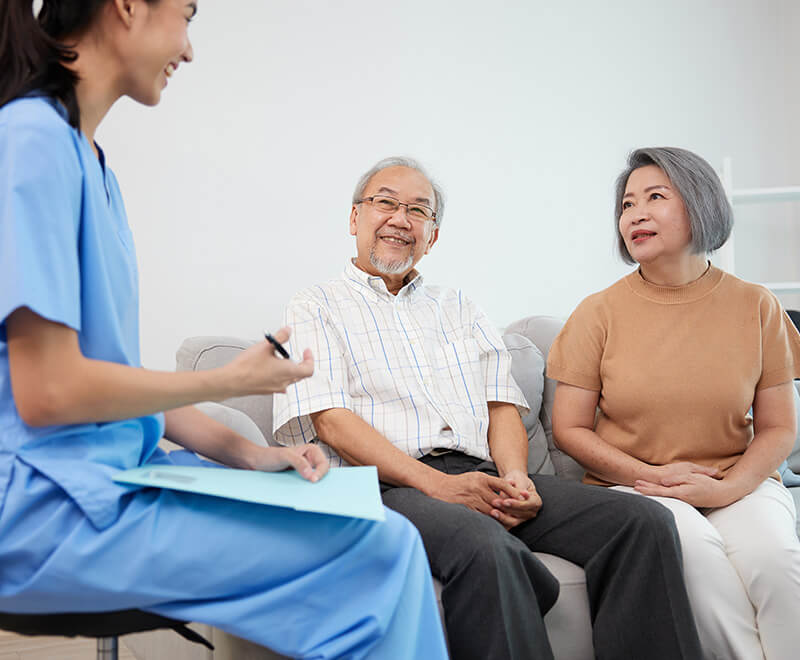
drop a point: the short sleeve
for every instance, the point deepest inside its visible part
(577, 352)
(495, 364)
(780, 344)
(40, 206)
(326, 388)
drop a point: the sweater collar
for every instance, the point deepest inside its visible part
(671, 295)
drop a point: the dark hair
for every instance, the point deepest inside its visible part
(707, 205)
(33, 53)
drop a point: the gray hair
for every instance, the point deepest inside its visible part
(410, 163)
(710, 213)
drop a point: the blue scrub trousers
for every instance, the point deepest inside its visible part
(303, 584)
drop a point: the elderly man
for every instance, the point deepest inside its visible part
(414, 379)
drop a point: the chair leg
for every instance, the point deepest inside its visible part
(107, 648)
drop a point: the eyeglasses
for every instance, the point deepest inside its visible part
(416, 212)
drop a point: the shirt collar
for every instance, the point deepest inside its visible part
(375, 284)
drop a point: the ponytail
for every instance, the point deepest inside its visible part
(32, 57)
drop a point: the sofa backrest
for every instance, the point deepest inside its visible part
(541, 331)
(528, 341)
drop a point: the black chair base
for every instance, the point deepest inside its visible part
(104, 626)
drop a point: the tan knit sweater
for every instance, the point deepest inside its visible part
(677, 367)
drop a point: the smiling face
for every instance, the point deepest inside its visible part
(391, 244)
(157, 42)
(654, 223)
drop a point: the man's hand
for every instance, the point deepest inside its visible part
(475, 490)
(510, 512)
(307, 459)
(697, 489)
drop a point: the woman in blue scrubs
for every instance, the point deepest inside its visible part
(76, 406)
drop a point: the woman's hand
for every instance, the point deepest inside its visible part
(258, 370)
(675, 474)
(699, 490)
(308, 460)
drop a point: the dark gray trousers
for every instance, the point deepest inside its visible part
(495, 591)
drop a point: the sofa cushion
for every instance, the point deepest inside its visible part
(527, 368)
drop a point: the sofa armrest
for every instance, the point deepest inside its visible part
(794, 457)
(210, 352)
(542, 330)
(235, 420)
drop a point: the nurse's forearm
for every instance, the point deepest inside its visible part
(54, 383)
(194, 430)
(99, 391)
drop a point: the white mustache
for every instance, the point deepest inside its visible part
(402, 237)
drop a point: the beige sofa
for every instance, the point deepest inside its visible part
(568, 623)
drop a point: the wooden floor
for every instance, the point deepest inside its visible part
(17, 647)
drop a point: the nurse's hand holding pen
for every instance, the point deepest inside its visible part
(260, 370)
(266, 368)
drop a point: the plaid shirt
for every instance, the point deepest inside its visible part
(419, 366)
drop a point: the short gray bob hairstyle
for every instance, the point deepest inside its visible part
(707, 205)
(410, 163)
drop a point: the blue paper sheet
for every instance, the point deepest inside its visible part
(351, 491)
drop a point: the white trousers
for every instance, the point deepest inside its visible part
(742, 570)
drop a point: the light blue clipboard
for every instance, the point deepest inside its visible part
(350, 491)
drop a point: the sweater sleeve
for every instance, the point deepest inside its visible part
(576, 354)
(780, 344)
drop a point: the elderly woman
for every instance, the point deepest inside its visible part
(692, 371)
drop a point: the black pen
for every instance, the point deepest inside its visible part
(280, 349)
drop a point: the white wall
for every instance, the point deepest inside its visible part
(768, 235)
(238, 184)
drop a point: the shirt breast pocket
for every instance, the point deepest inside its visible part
(459, 367)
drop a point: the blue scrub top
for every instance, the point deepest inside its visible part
(67, 253)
